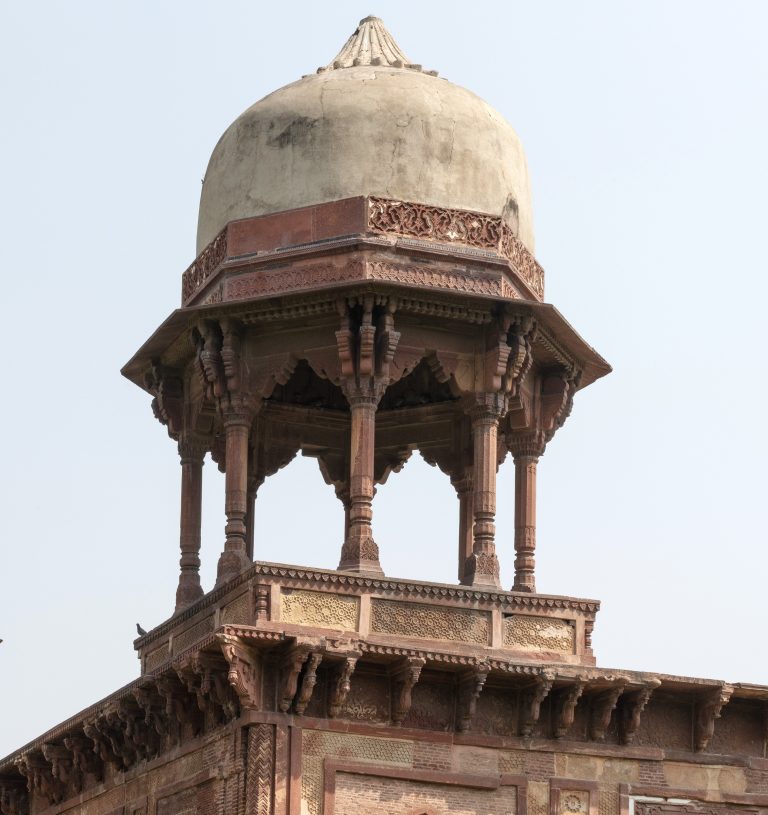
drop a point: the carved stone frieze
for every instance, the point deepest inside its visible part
(204, 266)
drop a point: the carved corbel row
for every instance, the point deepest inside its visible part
(38, 771)
(137, 726)
(633, 704)
(531, 700)
(203, 676)
(404, 678)
(471, 684)
(707, 710)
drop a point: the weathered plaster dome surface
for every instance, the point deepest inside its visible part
(380, 127)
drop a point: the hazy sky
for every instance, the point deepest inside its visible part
(646, 128)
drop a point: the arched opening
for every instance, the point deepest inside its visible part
(297, 518)
(416, 522)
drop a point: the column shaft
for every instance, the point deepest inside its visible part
(525, 522)
(466, 523)
(234, 558)
(189, 588)
(360, 553)
(483, 566)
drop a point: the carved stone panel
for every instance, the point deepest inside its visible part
(528, 633)
(430, 622)
(322, 609)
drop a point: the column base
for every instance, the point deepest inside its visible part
(529, 588)
(230, 565)
(188, 593)
(482, 570)
(361, 557)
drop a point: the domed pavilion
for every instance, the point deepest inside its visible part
(365, 286)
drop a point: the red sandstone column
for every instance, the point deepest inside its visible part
(360, 553)
(463, 489)
(525, 521)
(249, 518)
(234, 558)
(189, 589)
(483, 565)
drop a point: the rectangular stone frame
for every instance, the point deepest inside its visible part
(484, 782)
(723, 798)
(558, 785)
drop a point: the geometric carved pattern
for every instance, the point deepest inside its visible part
(192, 635)
(260, 769)
(530, 633)
(322, 609)
(429, 622)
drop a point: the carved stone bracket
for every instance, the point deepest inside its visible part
(404, 678)
(40, 779)
(85, 762)
(471, 685)
(708, 709)
(244, 673)
(167, 387)
(308, 682)
(603, 705)
(291, 668)
(565, 707)
(531, 700)
(632, 706)
(341, 686)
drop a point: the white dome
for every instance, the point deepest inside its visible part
(370, 129)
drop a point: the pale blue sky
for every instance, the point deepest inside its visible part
(645, 127)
